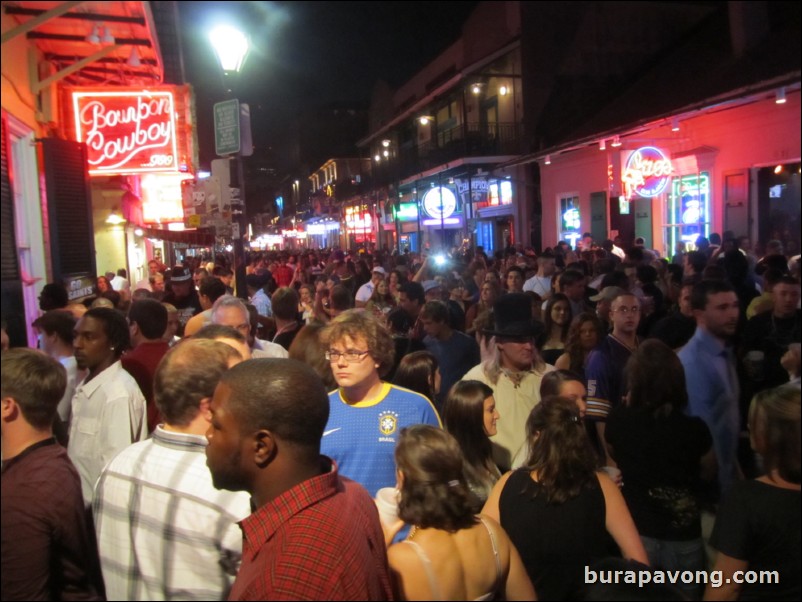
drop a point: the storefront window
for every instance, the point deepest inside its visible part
(688, 211)
(570, 220)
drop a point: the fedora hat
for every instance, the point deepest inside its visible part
(512, 317)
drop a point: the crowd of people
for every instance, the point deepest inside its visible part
(533, 414)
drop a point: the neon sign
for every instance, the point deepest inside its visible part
(647, 172)
(439, 203)
(357, 220)
(127, 132)
(162, 198)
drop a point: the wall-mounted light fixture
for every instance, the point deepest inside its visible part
(425, 119)
(476, 88)
(616, 142)
(548, 160)
(377, 157)
(93, 37)
(780, 97)
(114, 218)
(503, 90)
(107, 38)
(385, 143)
(602, 144)
(133, 58)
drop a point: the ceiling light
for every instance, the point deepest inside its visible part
(548, 160)
(133, 58)
(778, 169)
(385, 143)
(675, 124)
(424, 119)
(94, 36)
(616, 142)
(602, 144)
(115, 218)
(107, 37)
(780, 99)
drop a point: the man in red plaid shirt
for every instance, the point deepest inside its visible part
(314, 535)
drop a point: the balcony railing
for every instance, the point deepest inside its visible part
(465, 140)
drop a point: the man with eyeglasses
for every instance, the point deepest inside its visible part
(367, 414)
(605, 367)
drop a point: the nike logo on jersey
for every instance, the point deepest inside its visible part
(331, 431)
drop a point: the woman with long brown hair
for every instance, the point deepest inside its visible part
(585, 333)
(488, 294)
(662, 454)
(451, 553)
(470, 415)
(558, 509)
(557, 320)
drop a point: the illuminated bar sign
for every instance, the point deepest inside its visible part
(439, 203)
(647, 172)
(162, 198)
(131, 131)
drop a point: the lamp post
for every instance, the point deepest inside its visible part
(231, 47)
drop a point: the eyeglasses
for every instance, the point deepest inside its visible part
(352, 356)
(628, 310)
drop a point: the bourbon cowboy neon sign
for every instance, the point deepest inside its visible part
(127, 132)
(647, 172)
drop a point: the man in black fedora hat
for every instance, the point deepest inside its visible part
(514, 373)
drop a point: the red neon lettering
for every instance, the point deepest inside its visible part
(117, 129)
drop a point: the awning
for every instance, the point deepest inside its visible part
(202, 237)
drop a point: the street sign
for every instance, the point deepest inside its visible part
(226, 127)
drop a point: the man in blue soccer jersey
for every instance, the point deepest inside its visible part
(366, 414)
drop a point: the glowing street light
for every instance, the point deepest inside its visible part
(231, 47)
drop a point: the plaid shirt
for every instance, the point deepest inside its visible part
(320, 540)
(164, 532)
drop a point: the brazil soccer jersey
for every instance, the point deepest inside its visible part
(361, 437)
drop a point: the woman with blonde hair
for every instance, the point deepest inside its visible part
(450, 552)
(558, 509)
(758, 524)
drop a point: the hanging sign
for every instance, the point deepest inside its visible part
(131, 131)
(439, 203)
(647, 172)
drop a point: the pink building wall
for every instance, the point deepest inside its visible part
(746, 137)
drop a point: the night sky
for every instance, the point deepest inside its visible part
(307, 54)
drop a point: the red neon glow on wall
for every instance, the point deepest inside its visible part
(127, 132)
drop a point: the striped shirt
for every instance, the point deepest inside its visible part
(164, 532)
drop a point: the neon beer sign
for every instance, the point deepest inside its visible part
(647, 172)
(127, 132)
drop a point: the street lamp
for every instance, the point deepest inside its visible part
(231, 47)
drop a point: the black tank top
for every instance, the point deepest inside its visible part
(555, 541)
